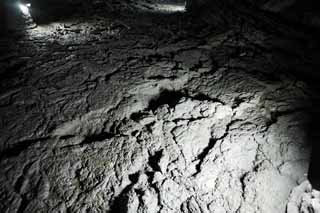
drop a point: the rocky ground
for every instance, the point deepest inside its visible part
(153, 113)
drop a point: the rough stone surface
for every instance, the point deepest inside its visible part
(304, 199)
(159, 113)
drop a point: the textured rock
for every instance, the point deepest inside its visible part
(304, 199)
(115, 114)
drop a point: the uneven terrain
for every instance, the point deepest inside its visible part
(153, 113)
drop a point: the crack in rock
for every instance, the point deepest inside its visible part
(203, 154)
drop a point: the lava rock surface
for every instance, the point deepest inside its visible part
(154, 113)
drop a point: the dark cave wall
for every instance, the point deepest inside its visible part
(305, 12)
(267, 5)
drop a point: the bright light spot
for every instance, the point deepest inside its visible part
(25, 9)
(169, 8)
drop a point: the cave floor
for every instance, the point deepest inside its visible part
(151, 113)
